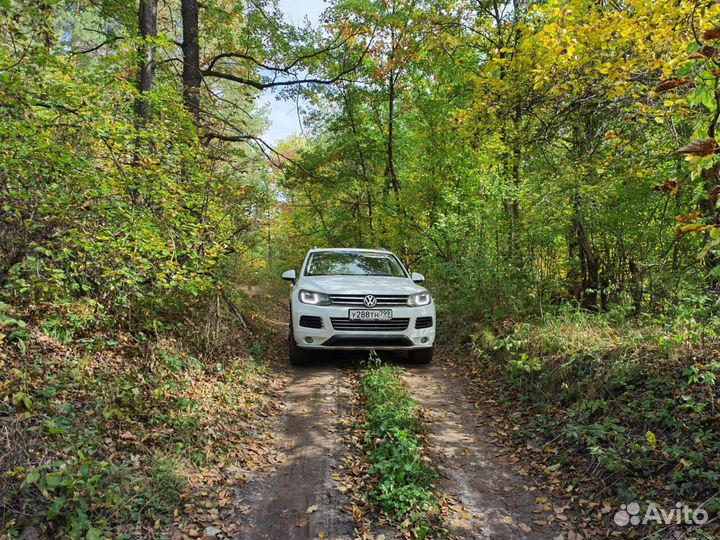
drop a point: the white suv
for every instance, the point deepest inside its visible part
(353, 299)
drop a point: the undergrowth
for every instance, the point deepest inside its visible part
(99, 434)
(634, 402)
(404, 489)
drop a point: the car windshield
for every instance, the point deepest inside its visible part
(353, 263)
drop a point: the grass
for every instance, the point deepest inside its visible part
(403, 488)
(101, 436)
(635, 402)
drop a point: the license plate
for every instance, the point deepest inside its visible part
(370, 314)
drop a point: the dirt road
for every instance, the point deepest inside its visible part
(491, 497)
(494, 500)
(300, 500)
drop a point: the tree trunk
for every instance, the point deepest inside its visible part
(512, 211)
(363, 163)
(637, 286)
(390, 167)
(709, 206)
(392, 80)
(147, 19)
(191, 75)
(589, 263)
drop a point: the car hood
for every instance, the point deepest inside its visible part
(359, 285)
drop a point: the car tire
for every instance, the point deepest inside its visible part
(421, 356)
(298, 356)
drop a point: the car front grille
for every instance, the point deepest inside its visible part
(369, 342)
(424, 322)
(393, 325)
(310, 321)
(357, 299)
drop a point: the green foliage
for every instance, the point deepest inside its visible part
(12, 330)
(156, 494)
(132, 219)
(524, 156)
(526, 150)
(616, 395)
(86, 493)
(404, 489)
(119, 432)
(177, 362)
(73, 487)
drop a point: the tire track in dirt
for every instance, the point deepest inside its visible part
(493, 500)
(278, 502)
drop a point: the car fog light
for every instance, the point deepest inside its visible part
(423, 340)
(308, 340)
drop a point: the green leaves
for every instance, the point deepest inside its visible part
(404, 489)
(32, 477)
(101, 208)
(22, 399)
(704, 94)
(12, 330)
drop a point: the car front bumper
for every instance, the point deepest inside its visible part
(329, 338)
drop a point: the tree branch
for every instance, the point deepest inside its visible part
(210, 72)
(333, 45)
(110, 40)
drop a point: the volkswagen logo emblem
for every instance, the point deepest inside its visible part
(370, 301)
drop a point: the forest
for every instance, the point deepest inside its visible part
(552, 167)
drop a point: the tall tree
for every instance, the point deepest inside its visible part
(147, 22)
(191, 74)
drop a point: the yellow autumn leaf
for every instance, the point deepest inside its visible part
(650, 436)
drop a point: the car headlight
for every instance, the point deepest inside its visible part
(419, 299)
(314, 298)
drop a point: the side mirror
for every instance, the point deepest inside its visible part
(289, 275)
(417, 278)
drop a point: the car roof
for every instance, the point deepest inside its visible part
(345, 250)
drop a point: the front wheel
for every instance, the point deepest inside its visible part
(298, 356)
(421, 356)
